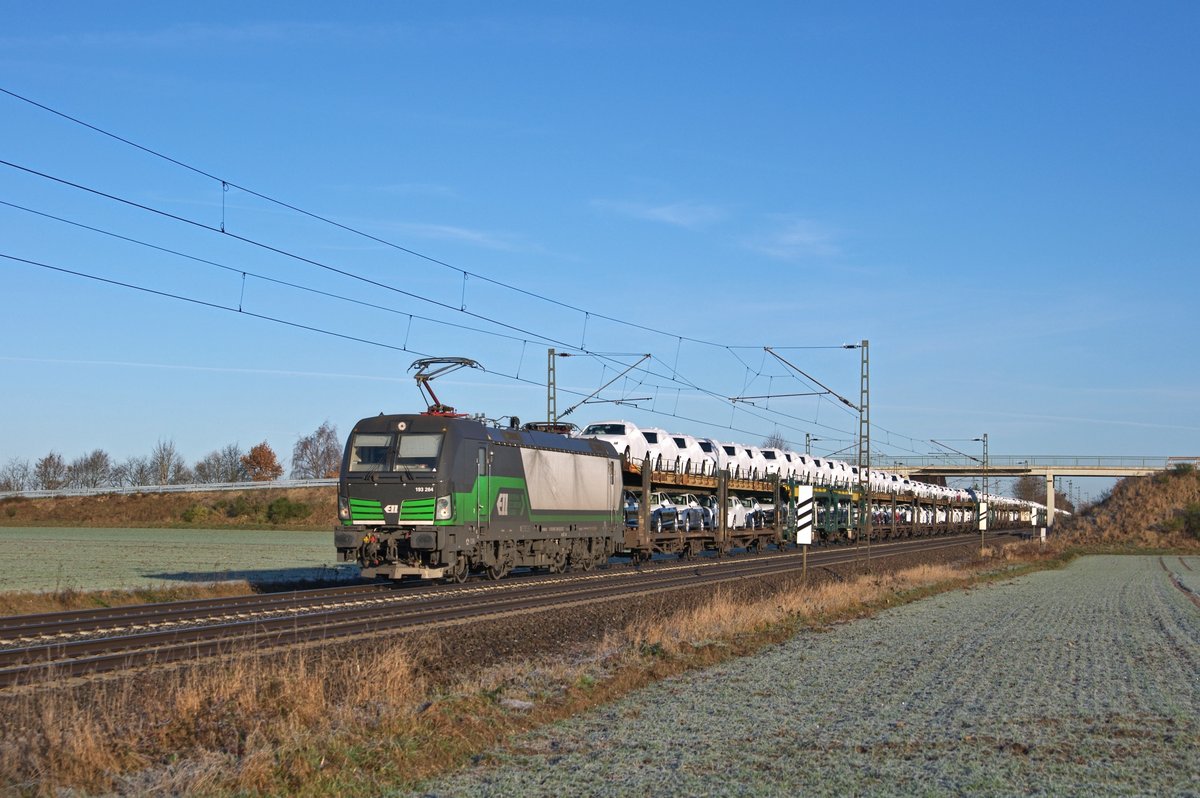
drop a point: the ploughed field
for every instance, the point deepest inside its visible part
(1078, 681)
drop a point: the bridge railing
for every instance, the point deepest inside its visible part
(1037, 461)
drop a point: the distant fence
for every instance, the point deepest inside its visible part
(199, 487)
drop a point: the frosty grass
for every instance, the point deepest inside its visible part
(1082, 681)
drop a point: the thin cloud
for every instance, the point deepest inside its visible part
(446, 232)
(421, 190)
(691, 215)
(195, 34)
(1114, 422)
(797, 239)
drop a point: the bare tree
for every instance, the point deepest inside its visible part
(167, 466)
(17, 474)
(50, 472)
(133, 472)
(1033, 489)
(1030, 488)
(222, 465)
(318, 455)
(90, 470)
(774, 441)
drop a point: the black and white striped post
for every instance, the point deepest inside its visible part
(803, 510)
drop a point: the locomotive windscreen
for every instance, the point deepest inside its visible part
(418, 450)
(369, 451)
(415, 451)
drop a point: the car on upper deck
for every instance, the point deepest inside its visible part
(624, 436)
(691, 458)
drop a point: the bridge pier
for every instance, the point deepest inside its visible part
(1049, 502)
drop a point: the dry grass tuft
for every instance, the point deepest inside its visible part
(247, 724)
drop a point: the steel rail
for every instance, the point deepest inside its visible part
(85, 619)
(436, 608)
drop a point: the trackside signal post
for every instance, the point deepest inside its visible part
(983, 503)
(801, 511)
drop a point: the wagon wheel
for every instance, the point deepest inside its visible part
(457, 573)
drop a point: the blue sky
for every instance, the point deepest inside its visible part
(1001, 197)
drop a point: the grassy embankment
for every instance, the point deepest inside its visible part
(268, 508)
(358, 721)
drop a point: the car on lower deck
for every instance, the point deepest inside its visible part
(691, 513)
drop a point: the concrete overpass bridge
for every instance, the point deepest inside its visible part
(1048, 467)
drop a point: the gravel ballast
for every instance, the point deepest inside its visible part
(1079, 681)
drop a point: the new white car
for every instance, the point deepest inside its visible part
(758, 463)
(735, 517)
(663, 453)
(806, 472)
(735, 460)
(776, 462)
(824, 472)
(692, 459)
(713, 455)
(624, 436)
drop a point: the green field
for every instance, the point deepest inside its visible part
(47, 558)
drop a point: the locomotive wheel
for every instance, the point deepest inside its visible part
(497, 571)
(457, 573)
(558, 562)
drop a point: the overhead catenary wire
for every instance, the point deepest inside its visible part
(675, 376)
(226, 184)
(323, 331)
(521, 334)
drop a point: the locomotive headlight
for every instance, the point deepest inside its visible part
(443, 509)
(343, 508)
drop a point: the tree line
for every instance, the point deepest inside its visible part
(314, 456)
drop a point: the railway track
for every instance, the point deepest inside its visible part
(47, 647)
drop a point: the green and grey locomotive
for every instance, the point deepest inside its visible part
(437, 496)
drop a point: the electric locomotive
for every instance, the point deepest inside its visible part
(437, 495)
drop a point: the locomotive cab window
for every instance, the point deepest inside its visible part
(369, 451)
(418, 451)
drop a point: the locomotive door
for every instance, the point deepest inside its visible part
(483, 489)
